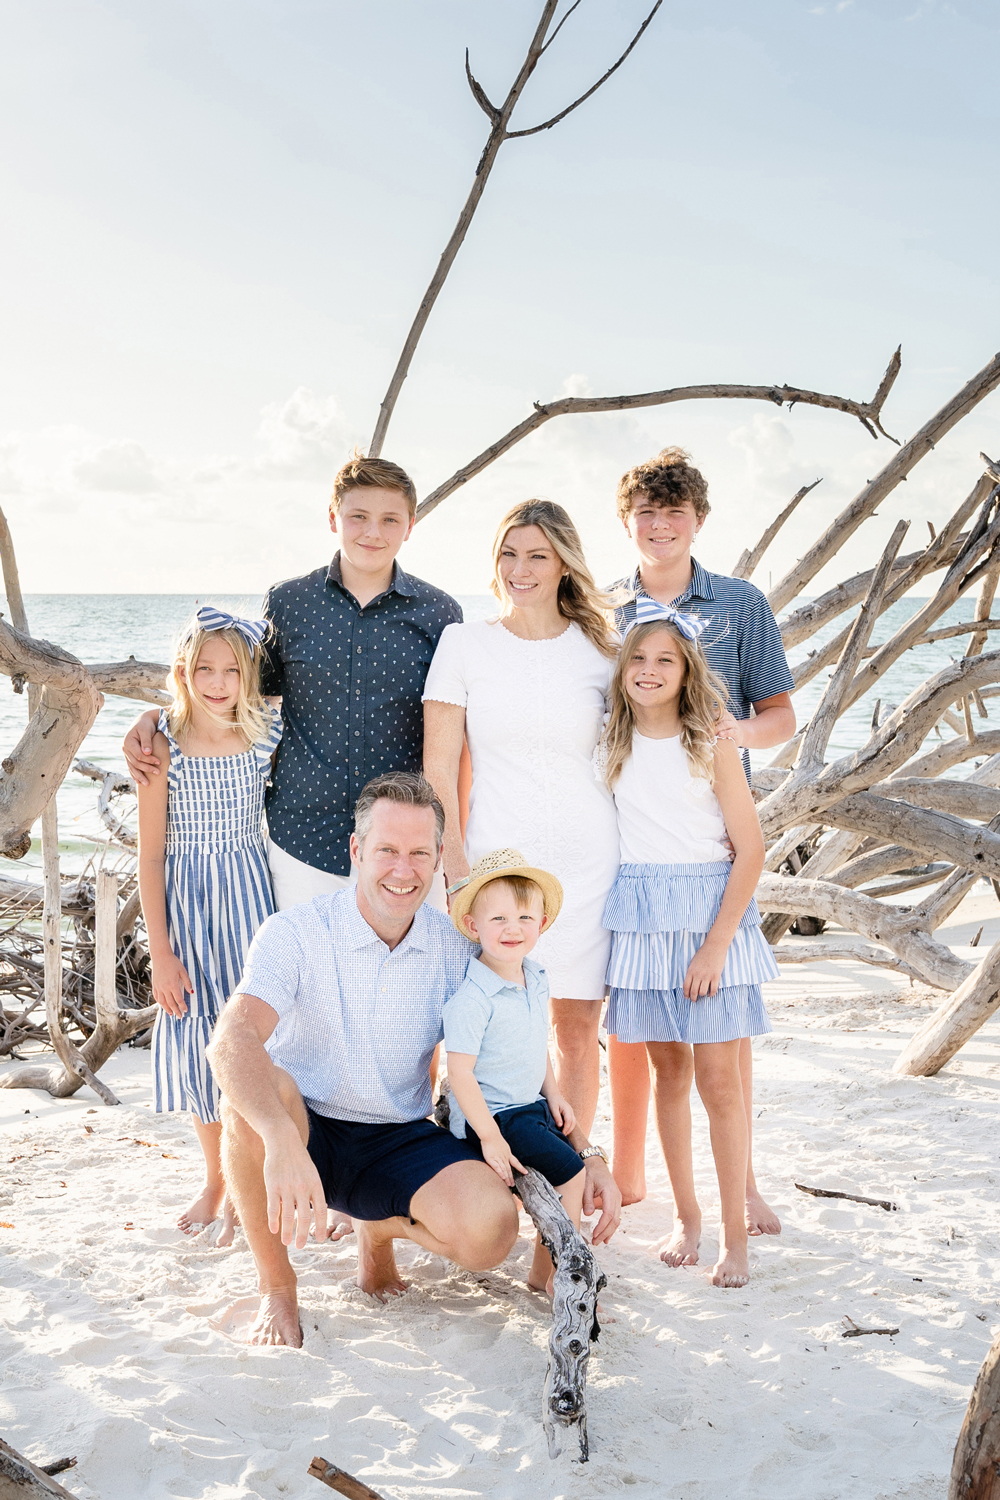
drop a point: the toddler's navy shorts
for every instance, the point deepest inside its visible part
(536, 1140)
(373, 1171)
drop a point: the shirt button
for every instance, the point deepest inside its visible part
(357, 733)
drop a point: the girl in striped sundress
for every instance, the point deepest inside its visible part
(203, 876)
(688, 956)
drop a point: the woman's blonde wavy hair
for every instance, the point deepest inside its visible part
(703, 700)
(580, 600)
(252, 717)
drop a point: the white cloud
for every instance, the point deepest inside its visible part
(123, 467)
(305, 437)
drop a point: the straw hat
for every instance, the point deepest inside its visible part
(503, 864)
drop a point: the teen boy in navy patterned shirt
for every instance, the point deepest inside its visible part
(663, 504)
(347, 655)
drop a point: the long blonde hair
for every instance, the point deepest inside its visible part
(579, 599)
(702, 702)
(252, 718)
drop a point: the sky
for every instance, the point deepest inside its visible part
(220, 216)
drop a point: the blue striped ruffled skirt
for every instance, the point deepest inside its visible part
(659, 916)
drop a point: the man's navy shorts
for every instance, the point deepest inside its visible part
(536, 1140)
(373, 1171)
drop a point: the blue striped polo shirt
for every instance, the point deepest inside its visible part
(741, 640)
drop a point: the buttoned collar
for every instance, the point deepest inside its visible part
(402, 583)
(491, 983)
(360, 935)
(700, 586)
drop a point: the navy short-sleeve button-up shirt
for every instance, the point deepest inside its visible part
(350, 681)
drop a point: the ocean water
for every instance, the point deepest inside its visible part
(112, 627)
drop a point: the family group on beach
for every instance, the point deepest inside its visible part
(476, 833)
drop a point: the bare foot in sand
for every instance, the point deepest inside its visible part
(377, 1273)
(278, 1320)
(342, 1224)
(760, 1218)
(682, 1247)
(230, 1222)
(201, 1211)
(732, 1268)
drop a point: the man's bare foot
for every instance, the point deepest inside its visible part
(681, 1248)
(201, 1211)
(230, 1221)
(278, 1320)
(377, 1273)
(760, 1218)
(342, 1224)
(732, 1268)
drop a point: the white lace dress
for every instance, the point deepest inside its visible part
(533, 714)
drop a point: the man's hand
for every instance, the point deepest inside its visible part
(601, 1190)
(137, 748)
(171, 985)
(562, 1113)
(498, 1155)
(295, 1196)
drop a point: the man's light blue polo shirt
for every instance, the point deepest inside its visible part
(506, 1028)
(357, 1024)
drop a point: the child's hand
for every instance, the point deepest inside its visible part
(498, 1155)
(562, 1113)
(704, 971)
(170, 982)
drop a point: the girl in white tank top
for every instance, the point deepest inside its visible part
(688, 957)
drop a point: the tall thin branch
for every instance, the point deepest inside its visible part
(499, 117)
(548, 124)
(750, 559)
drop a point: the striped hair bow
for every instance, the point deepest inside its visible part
(648, 610)
(253, 631)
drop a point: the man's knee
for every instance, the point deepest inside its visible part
(239, 1135)
(488, 1239)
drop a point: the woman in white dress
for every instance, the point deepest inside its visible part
(527, 691)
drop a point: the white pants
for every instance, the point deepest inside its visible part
(294, 881)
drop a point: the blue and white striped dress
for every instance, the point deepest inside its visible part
(218, 893)
(673, 876)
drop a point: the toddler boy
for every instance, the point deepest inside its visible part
(504, 1094)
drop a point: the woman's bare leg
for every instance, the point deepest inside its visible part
(628, 1078)
(717, 1076)
(761, 1218)
(577, 1058)
(673, 1070)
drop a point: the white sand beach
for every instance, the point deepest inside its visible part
(109, 1351)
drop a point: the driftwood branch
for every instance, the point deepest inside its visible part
(959, 1018)
(976, 1465)
(22, 1480)
(815, 1192)
(777, 395)
(876, 490)
(817, 953)
(112, 782)
(577, 1281)
(499, 117)
(750, 559)
(342, 1482)
(548, 124)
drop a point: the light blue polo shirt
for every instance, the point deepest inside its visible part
(506, 1029)
(357, 1024)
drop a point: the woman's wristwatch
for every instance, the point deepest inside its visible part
(589, 1151)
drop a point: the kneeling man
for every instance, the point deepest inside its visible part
(323, 1058)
